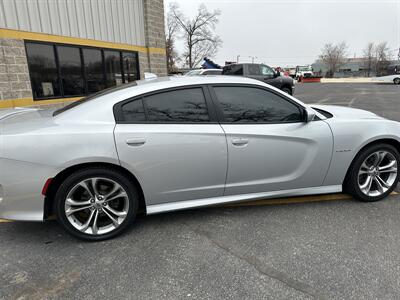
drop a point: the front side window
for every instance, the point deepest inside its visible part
(43, 70)
(254, 105)
(187, 105)
(71, 70)
(267, 71)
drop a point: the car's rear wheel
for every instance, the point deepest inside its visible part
(96, 203)
(374, 173)
(396, 80)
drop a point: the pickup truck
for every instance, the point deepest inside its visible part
(263, 73)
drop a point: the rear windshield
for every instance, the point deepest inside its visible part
(93, 96)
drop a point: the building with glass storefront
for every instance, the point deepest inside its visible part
(61, 50)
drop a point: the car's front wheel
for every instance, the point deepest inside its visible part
(96, 203)
(373, 174)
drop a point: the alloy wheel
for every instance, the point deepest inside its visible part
(96, 205)
(377, 173)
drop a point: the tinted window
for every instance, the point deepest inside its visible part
(213, 72)
(71, 70)
(133, 111)
(252, 105)
(93, 70)
(43, 70)
(130, 61)
(233, 70)
(112, 61)
(254, 69)
(177, 106)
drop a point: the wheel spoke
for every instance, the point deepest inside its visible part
(380, 187)
(87, 188)
(388, 166)
(71, 211)
(366, 186)
(94, 186)
(115, 212)
(115, 188)
(122, 194)
(115, 221)
(380, 157)
(72, 202)
(383, 182)
(95, 229)
(86, 225)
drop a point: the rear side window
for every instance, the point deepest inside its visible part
(233, 70)
(134, 111)
(254, 69)
(187, 105)
(253, 105)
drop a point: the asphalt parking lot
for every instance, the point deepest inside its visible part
(316, 248)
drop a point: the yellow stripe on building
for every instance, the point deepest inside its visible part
(30, 102)
(43, 37)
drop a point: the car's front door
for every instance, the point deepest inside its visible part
(171, 142)
(270, 147)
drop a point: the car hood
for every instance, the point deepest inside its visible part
(346, 112)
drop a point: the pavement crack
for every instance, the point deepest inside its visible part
(263, 269)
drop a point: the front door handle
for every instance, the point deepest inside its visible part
(136, 141)
(240, 141)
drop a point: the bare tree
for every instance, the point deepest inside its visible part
(200, 39)
(334, 56)
(382, 58)
(172, 31)
(369, 58)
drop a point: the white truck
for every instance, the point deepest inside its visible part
(304, 71)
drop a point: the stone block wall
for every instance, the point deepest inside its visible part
(14, 74)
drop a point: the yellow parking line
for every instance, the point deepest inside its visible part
(5, 221)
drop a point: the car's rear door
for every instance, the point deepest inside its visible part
(270, 147)
(170, 140)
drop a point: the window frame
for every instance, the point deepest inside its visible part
(220, 114)
(84, 75)
(212, 114)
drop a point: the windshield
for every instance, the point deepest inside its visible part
(93, 96)
(193, 73)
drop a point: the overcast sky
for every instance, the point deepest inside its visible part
(291, 32)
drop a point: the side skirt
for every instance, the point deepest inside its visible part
(180, 205)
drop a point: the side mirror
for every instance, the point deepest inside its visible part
(310, 114)
(277, 74)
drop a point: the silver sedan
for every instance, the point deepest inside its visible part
(175, 143)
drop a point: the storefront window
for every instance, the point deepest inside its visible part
(94, 71)
(67, 70)
(71, 70)
(112, 60)
(130, 62)
(43, 70)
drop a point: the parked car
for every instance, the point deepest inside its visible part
(389, 79)
(204, 72)
(184, 142)
(263, 73)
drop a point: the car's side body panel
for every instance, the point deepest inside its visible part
(175, 162)
(277, 156)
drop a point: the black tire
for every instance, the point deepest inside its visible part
(351, 185)
(396, 80)
(287, 90)
(108, 173)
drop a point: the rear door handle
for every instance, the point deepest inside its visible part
(136, 141)
(240, 141)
